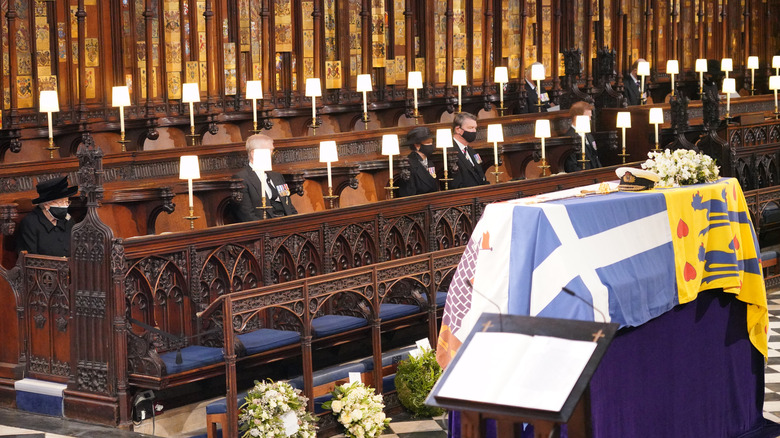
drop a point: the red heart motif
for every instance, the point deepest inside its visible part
(734, 192)
(689, 272)
(682, 229)
(736, 244)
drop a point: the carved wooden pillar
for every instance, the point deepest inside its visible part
(269, 78)
(319, 40)
(13, 66)
(655, 40)
(488, 64)
(523, 43)
(673, 43)
(118, 274)
(622, 48)
(556, 47)
(149, 16)
(368, 47)
(409, 38)
(747, 22)
(587, 51)
(724, 30)
(211, 46)
(92, 388)
(702, 35)
(647, 40)
(450, 49)
(230, 370)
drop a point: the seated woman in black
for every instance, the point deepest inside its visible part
(46, 229)
(422, 177)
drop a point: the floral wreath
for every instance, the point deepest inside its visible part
(682, 167)
(276, 409)
(358, 409)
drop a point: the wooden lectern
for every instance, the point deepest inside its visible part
(575, 410)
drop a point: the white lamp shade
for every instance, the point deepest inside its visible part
(643, 68)
(656, 116)
(752, 62)
(542, 128)
(537, 72)
(120, 96)
(49, 102)
(502, 75)
(443, 138)
(774, 82)
(672, 67)
(459, 78)
(328, 152)
(415, 80)
(364, 83)
(190, 93)
(254, 89)
(495, 133)
(390, 144)
(729, 85)
(776, 61)
(726, 64)
(623, 119)
(701, 65)
(189, 168)
(261, 159)
(313, 88)
(582, 124)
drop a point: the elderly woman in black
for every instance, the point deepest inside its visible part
(46, 229)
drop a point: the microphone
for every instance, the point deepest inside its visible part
(571, 292)
(500, 315)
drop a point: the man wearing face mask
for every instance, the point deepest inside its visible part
(46, 229)
(422, 177)
(464, 132)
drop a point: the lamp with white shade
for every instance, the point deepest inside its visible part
(537, 74)
(261, 163)
(726, 66)
(191, 94)
(672, 68)
(752, 65)
(582, 127)
(542, 131)
(328, 154)
(729, 86)
(495, 135)
(623, 121)
(364, 86)
(254, 91)
(774, 85)
(49, 103)
(459, 80)
(501, 77)
(444, 141)
(313, 90)
(120, 97)
(415, 83)
(776, 64)
(643, 70)
(701, 68)
(656, 117)
(189, 169)
(390, 148)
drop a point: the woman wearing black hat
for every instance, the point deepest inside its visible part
(423, 173)
(46, 229)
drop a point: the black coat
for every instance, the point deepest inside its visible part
(420, 180)
(572, 164)
(631, 91)
(532, 99)
(252, 197)
(468, 175)
(37, 235)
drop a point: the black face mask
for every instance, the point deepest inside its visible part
(469, 136)
(427, 149)
(59, 212)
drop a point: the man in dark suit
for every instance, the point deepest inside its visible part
(422, 178)
(591, 153)
(464, 132)
(277, 193)
(631, 85)
(532, 94)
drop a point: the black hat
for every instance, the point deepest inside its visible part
(418, 135)
(56, 188)
(635, 180)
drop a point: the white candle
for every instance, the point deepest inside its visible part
(459, 96)
(701, 81)
(330, 180)
(365, 104)
(624, 140)
(495, 154)
(263, 183)
(543, 156)
(122, 119)
(390, 159)
(642, 86)
(415, 99)
(753, 78)
(51, 132)
(582, 136)
(192, 116)
(313, 108)
(444, 153)
(189, 185)
(254, 110)
(728, 103)
(672, 83)
(656, 133)
(501, 93)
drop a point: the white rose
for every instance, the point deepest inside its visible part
(336, 406)
(357, 415)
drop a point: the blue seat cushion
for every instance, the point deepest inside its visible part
(389, 311)
(267, 339)
(331, 324)
(388, 383)
(194, 356)
(395, 356)
(441, 298)
(768, 255)
(220, 406)
(334, 373)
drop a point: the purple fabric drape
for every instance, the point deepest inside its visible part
(692, 372)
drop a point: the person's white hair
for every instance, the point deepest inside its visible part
(258, 141)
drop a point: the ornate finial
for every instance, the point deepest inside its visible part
(90, 172)
(711, 109)
(679, 106)
(571, 62)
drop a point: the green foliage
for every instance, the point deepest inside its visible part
(415, 379)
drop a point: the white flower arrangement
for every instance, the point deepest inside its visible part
(276, 409)
(682, 167)
(358, 409)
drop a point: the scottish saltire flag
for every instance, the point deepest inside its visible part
(629, 256)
